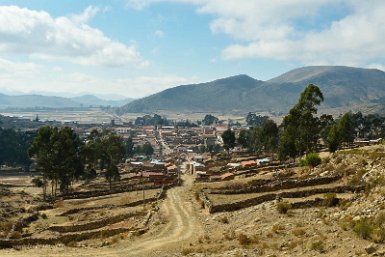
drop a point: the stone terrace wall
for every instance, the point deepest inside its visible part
(273, 185)
(94, 224)
(272, 196)
(62, 239)
(159, 195)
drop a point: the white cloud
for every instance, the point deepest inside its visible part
(146, 85)
(68, 39)
(29, 78)
(351, 33)
(9, 68)
(159, 33)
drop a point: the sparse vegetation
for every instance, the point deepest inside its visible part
(311, 160)
(363, 228)
(318, 246)
(330, 200)
(283, 207)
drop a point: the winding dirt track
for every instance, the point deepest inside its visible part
(181, 228)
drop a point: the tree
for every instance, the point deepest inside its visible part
(69, 165)
(255, 140)
(243, 138)
(129, 147)
(341, 132)
(58, 157)
(346, 129)
(209, 120)
(253, 120)
(228, 139)
(112, 174)
(42, 150)
(333, 138)
(105, 150)
(301, 126)
(269, 136)
(326, 122)
(147, 149)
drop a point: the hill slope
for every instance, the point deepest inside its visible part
(341, 86)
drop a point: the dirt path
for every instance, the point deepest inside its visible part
(181, 229)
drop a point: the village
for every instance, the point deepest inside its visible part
(188, 195)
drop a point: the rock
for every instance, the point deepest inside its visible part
(357, 218)
(371, 248)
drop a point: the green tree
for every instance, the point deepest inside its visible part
(104, 150)
(326, 122)
(209, 120)
(147, 149)
(129, 147)
(253, 120)
(341, 132)
(301, 126)
(333, 138)
(58, 157)
(270, 136)
(243, 138)
(228, 138)
(69, 165)
(346, 129)
(42, 150)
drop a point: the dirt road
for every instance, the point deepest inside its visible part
(181, 228)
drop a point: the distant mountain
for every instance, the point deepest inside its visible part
(91, 100)
(342, 87)
(33, 101)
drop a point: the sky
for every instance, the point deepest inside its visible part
(134, 48)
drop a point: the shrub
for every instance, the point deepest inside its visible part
(187, 251)
(224, 220)
(330, 200)
(299, 232)
(44, 216)
(318, 246)
(380, 218)
(311, 159)
(71, 244)
(5, 226)
(37, 182)
(283, 207)
(244, 239)
(378, 235)
(16, 235)
(363, 229)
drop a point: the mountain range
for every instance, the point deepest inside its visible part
(42, 101)
(343, 87)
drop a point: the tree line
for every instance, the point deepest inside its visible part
(302, 131)
(13, 147)
(63, 158)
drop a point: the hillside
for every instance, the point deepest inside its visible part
(342, 87)
(33, 101)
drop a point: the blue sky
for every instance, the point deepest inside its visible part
(134, 48)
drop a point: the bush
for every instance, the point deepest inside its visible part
(330, 200)
(283, 207)
(311, 159)
(363, 229)
(5, 226)
(44, 216)
(317, 246)
(244, 239)
(224, 220)
(37, 182)
(16, 235)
